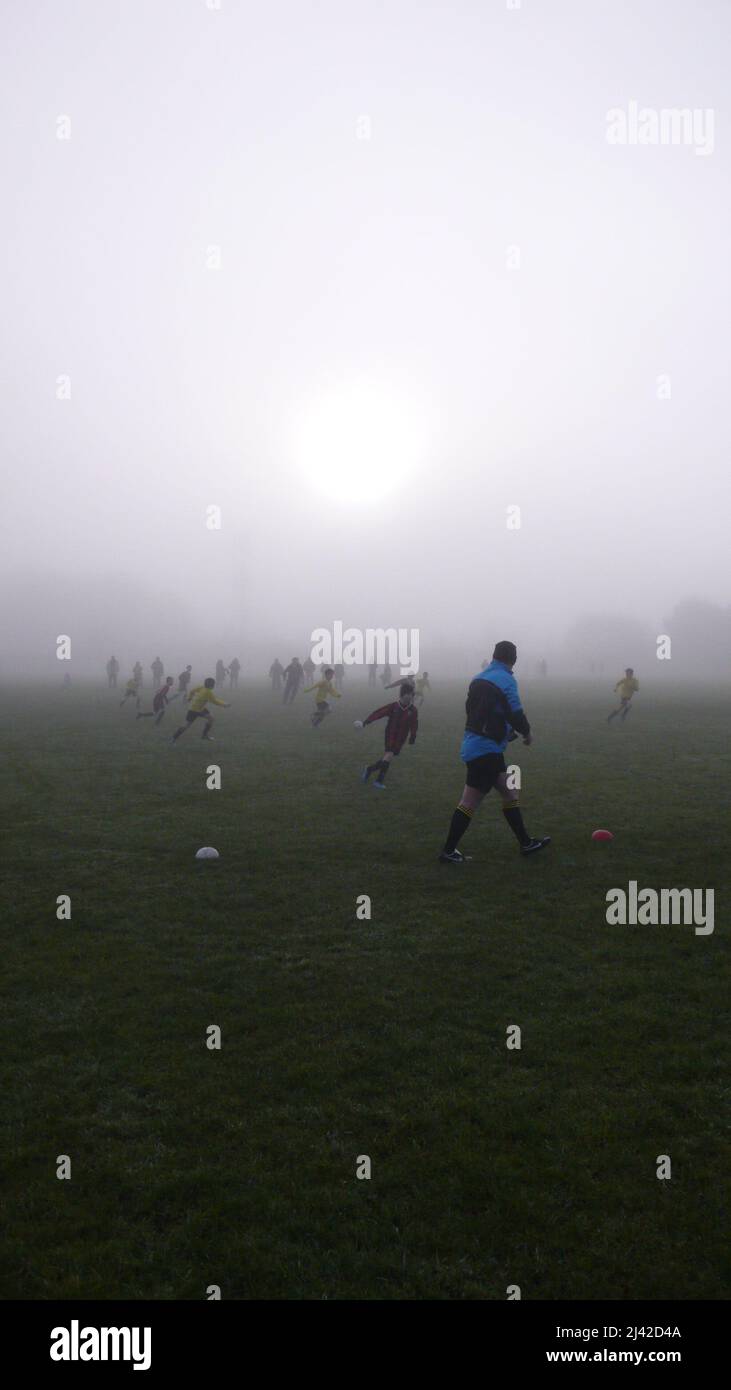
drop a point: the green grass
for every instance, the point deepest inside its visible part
(340, 1038)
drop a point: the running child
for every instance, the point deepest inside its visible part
(422, 685)
(402, 723)
(625, 688)
(294, 676)
(324, 688)
(131, 691)
(183, 683)
(159, 703)
(198, 699)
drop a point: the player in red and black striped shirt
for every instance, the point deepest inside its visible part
(403, 722)
(161, 700)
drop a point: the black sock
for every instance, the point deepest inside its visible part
(515, 821)
(459, 823)
(382, 774)
(373, 767)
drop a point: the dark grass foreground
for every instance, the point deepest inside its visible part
(344, 1038)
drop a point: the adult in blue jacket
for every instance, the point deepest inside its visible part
(495, 716)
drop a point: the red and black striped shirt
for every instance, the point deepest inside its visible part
(402, 723)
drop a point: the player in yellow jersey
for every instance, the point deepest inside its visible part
(625, 688)
(198, 699)
(324, 688)
(131, 691)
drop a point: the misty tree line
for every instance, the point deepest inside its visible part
(700, 633)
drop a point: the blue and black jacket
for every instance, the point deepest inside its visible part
(493, 710)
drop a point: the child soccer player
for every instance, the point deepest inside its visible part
(183, 683)
(403, 722)
(159, 703)
(198, 699)
(294, 678)
(131, 692)
(422, 685)
(419, 685)
(626, 688)
(324, 688)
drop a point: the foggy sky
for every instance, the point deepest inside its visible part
(376, 265)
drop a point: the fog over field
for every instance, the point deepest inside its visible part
(365, 312)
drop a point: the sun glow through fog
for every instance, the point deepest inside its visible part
(358, 444)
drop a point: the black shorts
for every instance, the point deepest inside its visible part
(196, 714)
(483, 772)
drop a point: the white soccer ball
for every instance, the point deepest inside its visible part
(207, 853)
(357, 723)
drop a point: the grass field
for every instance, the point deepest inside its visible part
(340, 1037)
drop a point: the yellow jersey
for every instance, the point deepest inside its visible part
(323, 688)
(199, 697)
(627, 687)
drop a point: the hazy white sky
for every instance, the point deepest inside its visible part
(368, 328)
